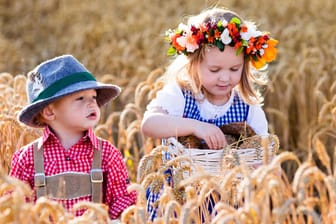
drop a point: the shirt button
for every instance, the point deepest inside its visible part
(67, 158)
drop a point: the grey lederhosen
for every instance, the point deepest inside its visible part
(68, 185)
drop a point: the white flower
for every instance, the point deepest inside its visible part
(183, 27)
(190, 43)
(251, 31)
(182, 40)
(261, 52)
(225, 37)
(224, 23)
(245, 35)
(191, 47)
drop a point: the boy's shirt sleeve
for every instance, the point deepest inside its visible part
(22, 166)
(117, 197)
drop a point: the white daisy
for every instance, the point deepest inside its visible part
(225, 37)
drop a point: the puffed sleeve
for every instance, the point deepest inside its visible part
(169, 99)
(257, 120)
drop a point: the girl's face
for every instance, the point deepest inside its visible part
(78, 111)
(220, 72)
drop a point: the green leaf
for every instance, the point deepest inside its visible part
(245, 43)
(239, 50)
(171, 51)
(167, 38)
(235, 20)
(220, 45)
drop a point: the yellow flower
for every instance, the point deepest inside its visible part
(258, 63)
(270, 52)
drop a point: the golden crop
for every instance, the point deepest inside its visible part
(121, 42)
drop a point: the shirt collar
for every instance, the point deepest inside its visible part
(47, 133)
(229, 102)
(93, 138)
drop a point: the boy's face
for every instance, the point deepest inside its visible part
(78, 111)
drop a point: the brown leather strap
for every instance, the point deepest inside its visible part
(68, 185)
(97, 175)
(39, 178)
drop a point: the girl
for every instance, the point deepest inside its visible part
(213, 82)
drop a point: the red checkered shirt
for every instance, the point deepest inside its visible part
(79, 159)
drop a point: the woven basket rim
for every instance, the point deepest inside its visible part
(211, 160)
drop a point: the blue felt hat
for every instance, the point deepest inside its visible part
(56, 78)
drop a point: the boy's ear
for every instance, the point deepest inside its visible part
(48, 113)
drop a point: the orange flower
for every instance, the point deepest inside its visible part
(233, 29)
(211, 39)
(270, 52)
(243, 29)
(258, 44)
(203, 28)
(217, 34)
(258, 63)
(238, 45)
(174, 42)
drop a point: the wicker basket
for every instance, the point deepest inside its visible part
(216, 161)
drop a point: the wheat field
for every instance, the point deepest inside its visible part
(121, 42)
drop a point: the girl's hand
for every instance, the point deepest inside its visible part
(211, 134)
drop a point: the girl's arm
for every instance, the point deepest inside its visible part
(157, 124)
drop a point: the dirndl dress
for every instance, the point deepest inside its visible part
(237, 112)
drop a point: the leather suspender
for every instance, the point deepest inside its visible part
(96, 175)
(39, 178)
(68, 185)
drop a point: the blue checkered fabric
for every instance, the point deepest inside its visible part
(236, 113)
(153, 197)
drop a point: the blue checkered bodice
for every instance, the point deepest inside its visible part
(237, 112)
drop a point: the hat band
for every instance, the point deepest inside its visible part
(64, 82)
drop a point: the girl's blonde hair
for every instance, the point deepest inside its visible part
(186, 68)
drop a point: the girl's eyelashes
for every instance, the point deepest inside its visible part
(214, 69)
(234, 69)
(217, 70)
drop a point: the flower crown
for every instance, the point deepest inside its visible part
(259, 47)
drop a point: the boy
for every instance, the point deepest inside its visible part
(69, 163)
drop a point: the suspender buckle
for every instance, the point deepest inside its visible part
(39, 180)
(96, 176)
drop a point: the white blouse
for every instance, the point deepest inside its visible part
(170, 98)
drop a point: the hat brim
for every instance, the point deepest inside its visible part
(105, 93)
